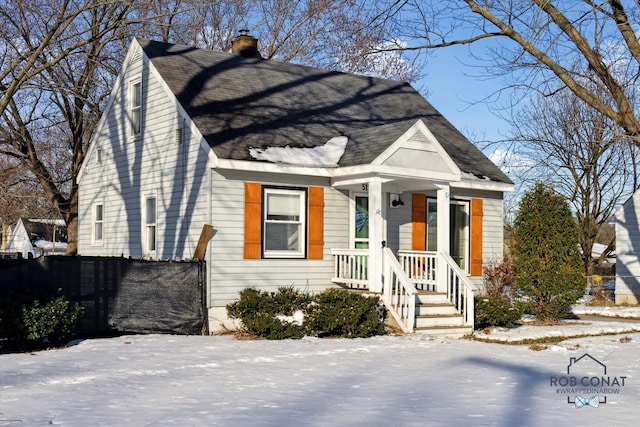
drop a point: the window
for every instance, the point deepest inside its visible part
(149, 232)
(135, 112)
(284, 223)
(98, 220)
(361, 228)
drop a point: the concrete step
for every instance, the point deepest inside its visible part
(439, 320)
(446, 331)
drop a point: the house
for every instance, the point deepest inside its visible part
(311, 178)
(627, 223)
(36, 237)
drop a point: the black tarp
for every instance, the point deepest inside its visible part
(119, 295)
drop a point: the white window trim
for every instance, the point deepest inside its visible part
(302, 223)
(134, 136)
(145, 225)
(94, 221)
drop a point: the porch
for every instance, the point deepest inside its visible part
(424, 291)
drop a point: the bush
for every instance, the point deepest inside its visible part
(33, 325)
(53, 322)
(291, 314)
(258, 311)
(547, 259)
(496, 311)
(341, 313)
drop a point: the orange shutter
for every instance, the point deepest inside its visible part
(252, 220)
(316, 223)
(418, 222)
(476, 237)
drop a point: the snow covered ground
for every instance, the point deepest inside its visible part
(608, 311)
(410, 380)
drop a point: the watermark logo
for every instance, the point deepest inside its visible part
(587, 382)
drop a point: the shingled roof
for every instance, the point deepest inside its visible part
(239, 102)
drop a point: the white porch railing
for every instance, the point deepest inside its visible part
(351, 267)
(398, 292)
(414, 270)
(420, 266)
(459, 288)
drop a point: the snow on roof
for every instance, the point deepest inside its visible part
(327, 155)
(56, 222)
(470, 176)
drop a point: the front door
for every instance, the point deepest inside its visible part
(458, 230)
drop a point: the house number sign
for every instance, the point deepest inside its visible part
(365, 187)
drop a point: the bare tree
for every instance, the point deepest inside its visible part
(37, 35)
(332, 34)
(54, 87)
(582, 154)
(59, 59)
(543, 47)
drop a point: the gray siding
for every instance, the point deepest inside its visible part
(399, 222)
(627, 222)
(131, 169)
(230, 272)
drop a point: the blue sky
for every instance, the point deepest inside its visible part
(455, 89)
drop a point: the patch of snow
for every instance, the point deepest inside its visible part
(297, 318)
(567, 328)
(327, 155)
(48, 245)
(57, 222)
(632, 312)
(472, 177)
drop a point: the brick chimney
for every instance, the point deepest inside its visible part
(245, 45)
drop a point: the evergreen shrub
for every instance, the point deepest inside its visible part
(496, 311)
(53, 322)
(547, 259)
(289, 313)
(29, 325)
(340, 313)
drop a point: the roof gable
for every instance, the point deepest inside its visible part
(240, 104)
(415, 148)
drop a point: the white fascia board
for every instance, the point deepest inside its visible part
(403, 141)
(133, 47)
(362, 173)
(254, 166)
(481, 184)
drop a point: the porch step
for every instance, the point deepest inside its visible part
(445, 331)
(429, 297)
(435, 315)
(430, 321)
(439, 309)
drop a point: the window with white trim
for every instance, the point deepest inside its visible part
(135, 109)
(149, 233)
(98, 223)
(284, 212)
